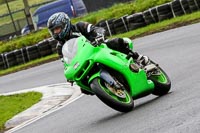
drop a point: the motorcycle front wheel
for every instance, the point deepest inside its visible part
(103, 92)
(161, 81)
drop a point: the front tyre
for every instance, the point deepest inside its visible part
(104, 93)
(161, 81)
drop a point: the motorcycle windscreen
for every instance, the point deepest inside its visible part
(70, 49)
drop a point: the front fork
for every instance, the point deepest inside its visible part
(152, 69)
(109, 79)
(105, 75)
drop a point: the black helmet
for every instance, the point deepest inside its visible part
(62, 20)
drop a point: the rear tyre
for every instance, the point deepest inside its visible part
(109, 98)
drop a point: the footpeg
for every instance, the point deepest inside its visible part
(134, 68)
(150, 67)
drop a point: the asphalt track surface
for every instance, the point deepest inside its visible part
(177, 51)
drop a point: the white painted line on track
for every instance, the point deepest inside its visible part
(76, 95)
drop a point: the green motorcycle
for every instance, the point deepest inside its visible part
(115, 78)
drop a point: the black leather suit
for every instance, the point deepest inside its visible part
(91, 32)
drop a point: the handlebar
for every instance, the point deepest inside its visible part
(98, 40)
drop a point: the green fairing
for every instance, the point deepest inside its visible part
(87, 56)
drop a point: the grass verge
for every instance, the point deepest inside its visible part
(14, 104)
(150, 29)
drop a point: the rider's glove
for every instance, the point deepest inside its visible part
(62, 60)
(98, 40)
(99, 36)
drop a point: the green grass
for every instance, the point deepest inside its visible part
(7, 19)
(27, 40)
(3, 1)
(141, 5)
(14, 104)
(17, 5)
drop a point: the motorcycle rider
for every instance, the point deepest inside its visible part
(62, 30)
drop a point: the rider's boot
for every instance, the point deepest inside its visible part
(141, 59)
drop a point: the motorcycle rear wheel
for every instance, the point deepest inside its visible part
(105, 95)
